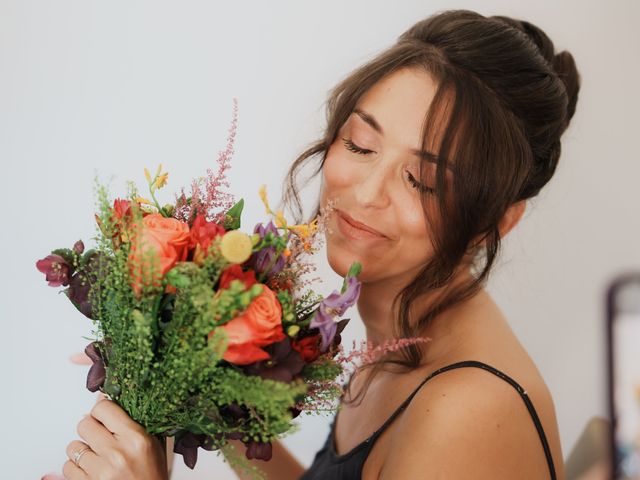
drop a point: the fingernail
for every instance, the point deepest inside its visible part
(52, 476)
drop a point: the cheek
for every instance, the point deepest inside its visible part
(415, 246)
(338, 171)
(413, 221)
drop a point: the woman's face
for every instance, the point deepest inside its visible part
(379, 187)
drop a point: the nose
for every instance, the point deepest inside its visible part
(371, 191)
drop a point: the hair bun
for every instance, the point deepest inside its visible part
(563, 63)
(565, 67)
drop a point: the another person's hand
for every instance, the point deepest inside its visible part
(113, 446)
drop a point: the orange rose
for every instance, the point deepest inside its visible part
(168, 238)
(258, 326)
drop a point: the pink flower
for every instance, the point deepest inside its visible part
(56, 269)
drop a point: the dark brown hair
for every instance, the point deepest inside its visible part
(503, 89)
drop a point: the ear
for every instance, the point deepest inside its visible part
(511, 217)
(509, 220)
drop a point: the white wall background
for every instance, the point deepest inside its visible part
(110, 87)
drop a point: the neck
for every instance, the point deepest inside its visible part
(375, 308)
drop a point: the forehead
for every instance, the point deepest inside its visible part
(399, 102)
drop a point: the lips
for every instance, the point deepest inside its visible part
(359, 225)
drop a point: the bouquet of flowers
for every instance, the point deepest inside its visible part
(202, 331)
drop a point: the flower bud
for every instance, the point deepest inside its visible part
(78, 247)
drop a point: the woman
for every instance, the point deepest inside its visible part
(430, 153)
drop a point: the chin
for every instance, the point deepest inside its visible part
(340, 261)
(338, 264)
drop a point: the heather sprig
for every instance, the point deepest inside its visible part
(367, 352)
(208, 195)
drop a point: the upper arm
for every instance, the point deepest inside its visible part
(467, 425)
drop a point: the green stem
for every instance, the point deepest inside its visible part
(160, 209)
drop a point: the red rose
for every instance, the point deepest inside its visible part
(121, 208)
(258, 326)
(235, 272)
(201, 235)
(308, 348)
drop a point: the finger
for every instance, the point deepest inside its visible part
(95, 434)
(114, 418)
(100, 396)
(52, 476)
(71, 472)
(80, 358)
(88, 462)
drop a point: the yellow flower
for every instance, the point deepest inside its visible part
(236, 246)
(280, 220)
(143, 201)
(147, 175)
(305, 230)
(279, 217)
(161, 181)
(263, 196)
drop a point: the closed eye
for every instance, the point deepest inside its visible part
(354, 148)
(417, 185)
(363, 151)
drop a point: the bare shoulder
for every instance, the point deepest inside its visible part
(469, 423)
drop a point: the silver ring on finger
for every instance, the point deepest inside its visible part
(78, 455)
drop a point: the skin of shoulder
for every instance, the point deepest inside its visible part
(468, 423)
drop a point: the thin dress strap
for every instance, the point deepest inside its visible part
(475, 363)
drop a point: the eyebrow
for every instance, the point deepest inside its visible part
(424, 155)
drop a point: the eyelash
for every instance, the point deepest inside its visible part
(348, 143)
(354, 148)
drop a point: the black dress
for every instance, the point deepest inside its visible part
(328, 465)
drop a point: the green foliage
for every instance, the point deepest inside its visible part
(232, 217)
(323, 369)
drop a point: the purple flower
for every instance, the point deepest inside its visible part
(97, 372)
(78, 293)
(264, 259)
(285, 363)
(187, 445)
(261, 260)
(258, 450)
(263, 230)
(81, 282)
(334, 306)
(56, 269)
